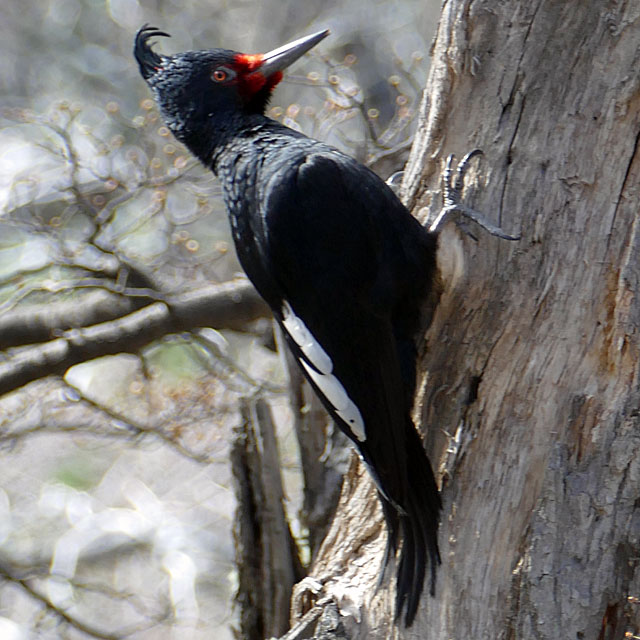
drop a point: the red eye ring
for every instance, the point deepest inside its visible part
(219, 75)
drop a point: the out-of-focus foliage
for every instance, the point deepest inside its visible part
(115, 502)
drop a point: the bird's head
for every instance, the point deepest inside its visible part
(200, 88)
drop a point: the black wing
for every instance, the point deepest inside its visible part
(332, 258)
(345, 259)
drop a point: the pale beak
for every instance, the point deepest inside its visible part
(282, 57)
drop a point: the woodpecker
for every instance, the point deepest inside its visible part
(341, 262)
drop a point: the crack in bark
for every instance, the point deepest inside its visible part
(623, 187)
(519, 76)
(528, 33)
(509, 148)
(511, 99)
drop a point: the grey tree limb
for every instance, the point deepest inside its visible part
(31, 324)
(230, 305)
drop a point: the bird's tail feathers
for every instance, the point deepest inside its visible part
(418, 528)
(392, 520)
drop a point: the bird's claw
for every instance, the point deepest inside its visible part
(452, 185)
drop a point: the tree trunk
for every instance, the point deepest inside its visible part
(529, 397)
(266, 554)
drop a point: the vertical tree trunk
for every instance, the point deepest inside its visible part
(529, 398)
(266, 554)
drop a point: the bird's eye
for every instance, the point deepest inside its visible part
(222, 74)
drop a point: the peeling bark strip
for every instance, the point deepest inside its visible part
(530, 367)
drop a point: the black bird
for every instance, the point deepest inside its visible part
(338, 258)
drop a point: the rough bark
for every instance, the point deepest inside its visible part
(529, 393)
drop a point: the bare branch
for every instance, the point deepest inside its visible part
(135, 428)
(37, 323)
(230, 305)
(25, 582)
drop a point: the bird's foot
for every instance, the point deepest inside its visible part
(452, 184)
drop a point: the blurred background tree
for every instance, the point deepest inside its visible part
(131, 348)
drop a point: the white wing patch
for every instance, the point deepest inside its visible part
(335, 393)
(307, 343)
(328, 384)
